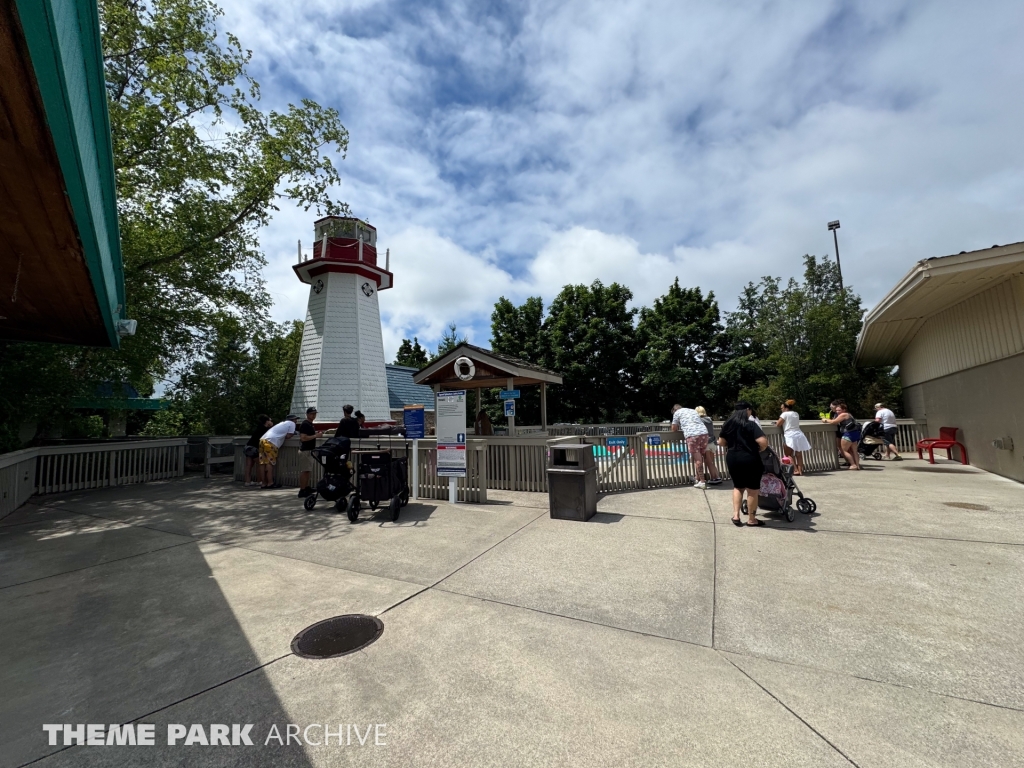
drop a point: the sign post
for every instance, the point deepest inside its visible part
(450, 412)
(414, 421)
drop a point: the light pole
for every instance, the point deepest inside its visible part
(832, 227)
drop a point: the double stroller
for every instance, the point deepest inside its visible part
(352, 476)
(872, 441)
(778, 488)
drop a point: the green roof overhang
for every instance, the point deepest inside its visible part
(65, 47)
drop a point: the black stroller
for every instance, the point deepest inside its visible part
(872, 441)
(381, 477)
(778, 489)
(336, 484)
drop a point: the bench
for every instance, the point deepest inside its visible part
(946, 439)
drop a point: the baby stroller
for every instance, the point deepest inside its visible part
(872, 441)
(778, 488)
(336, 484)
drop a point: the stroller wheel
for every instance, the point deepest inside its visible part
(807, 506)
(310, 501)
(743, 506)
(790, 513)
(404, 498)
(394, 507)
(352, 507)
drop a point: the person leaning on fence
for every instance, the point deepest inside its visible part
(887, 419)
(307, 442)
(348, 426)
(745, 441)
(849, 429)
(252, 448)
(709, 452)
(270, 444)
(796, 440)
(695, 434)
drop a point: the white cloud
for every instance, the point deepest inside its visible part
(576, 140)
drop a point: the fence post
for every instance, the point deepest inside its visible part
(641, 461)
(206, 458)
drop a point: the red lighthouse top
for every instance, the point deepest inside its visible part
(344, 244)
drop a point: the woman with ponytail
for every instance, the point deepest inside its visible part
(796, 440)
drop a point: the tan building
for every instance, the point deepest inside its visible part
(955, 327)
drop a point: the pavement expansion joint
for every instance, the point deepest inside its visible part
(783, 704)
(100, 565)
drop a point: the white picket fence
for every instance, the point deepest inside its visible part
(62, 468)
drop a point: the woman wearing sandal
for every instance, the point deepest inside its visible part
(745, 441)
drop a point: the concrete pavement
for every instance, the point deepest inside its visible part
(882, 631)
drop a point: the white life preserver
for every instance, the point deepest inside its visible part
(470, 369)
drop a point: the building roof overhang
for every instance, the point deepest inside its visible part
(932, 286)
(61, 276)
(308, 271)
(493, 369)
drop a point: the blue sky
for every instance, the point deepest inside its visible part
(509, 148)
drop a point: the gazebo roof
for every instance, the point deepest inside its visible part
(493, 369)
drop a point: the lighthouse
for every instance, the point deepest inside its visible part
(342, 356)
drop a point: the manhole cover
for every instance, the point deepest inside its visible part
(965, 505)
(337, 637)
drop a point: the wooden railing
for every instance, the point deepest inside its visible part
(472, 488)
(62, 468)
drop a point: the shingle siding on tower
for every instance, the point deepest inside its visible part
(345, 337)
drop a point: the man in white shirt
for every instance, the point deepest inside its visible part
(889, 429)
(695, 433)
(270, 444)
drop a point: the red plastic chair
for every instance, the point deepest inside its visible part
(946, 439)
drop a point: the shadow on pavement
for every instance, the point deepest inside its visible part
(119, 642)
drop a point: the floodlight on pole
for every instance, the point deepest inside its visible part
(832, 227)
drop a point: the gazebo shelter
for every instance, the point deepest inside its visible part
(491, 369)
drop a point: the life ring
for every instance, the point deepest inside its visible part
(465, 369)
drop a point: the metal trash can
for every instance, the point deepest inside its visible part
(572, 482)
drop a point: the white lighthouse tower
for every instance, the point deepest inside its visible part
(342, 357)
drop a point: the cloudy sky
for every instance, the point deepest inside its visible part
(509, 148)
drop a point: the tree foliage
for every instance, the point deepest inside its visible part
(793, 340)
(233, 380)
(679, 346)
(200, 167)
(449, 341)
(411, 354)
(592, 344)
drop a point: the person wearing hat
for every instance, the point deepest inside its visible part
(270, 444)
(307, 442)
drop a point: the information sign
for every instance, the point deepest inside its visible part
(451, 433)
(618, 442)
(510, 408)
(414, 422)
(509, 394)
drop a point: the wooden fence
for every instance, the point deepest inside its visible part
(472, 488)
(62, 468)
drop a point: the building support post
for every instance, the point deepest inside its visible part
(544, 406)
(511, 419)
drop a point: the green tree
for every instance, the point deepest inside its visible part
(200, 169)
(678, 348)
(519, 332)
(592, 344)
(450, 339)
(798, 341)
(411, 354)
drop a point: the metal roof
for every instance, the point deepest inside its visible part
(932, 286)
(402, 391)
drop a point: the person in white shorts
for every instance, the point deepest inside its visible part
(796, 440)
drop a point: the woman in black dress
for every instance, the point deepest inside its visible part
(745, 441)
